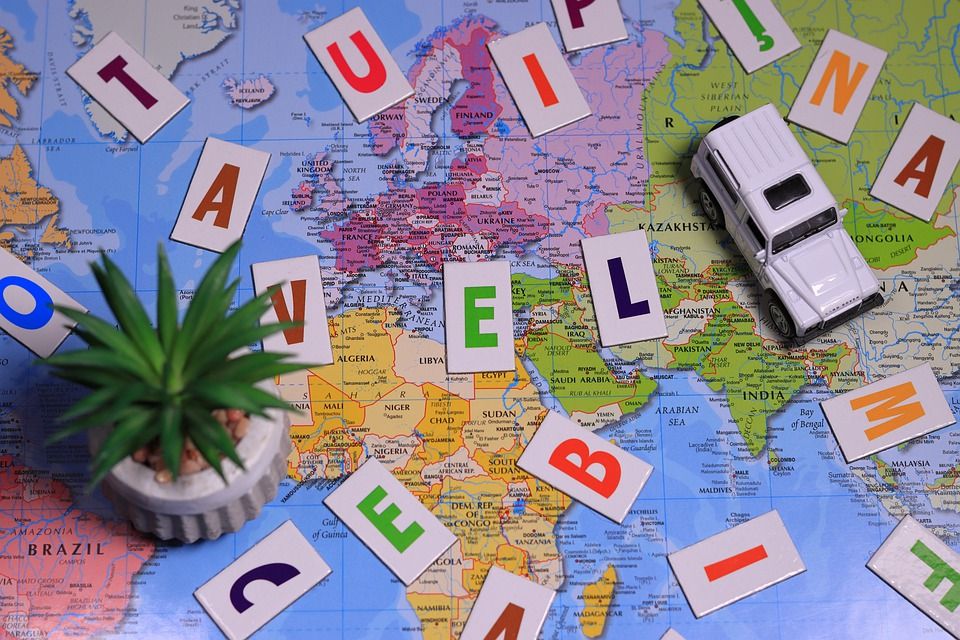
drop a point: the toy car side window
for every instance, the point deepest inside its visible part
(757, 234)
(722, 175)
(786, 192)
(805, 229)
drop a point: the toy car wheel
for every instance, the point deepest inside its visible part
(710, 206)
(779, 317)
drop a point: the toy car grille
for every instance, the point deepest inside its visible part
(842, 305)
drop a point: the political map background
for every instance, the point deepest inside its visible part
(728, 418)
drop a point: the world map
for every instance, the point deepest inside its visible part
(728, 417)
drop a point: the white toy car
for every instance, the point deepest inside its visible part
(756, 181)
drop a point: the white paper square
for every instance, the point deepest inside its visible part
(300, 299)
(501, 589)
(615, 476)
(754, 30)
(766, 556)
(597, 22)
(533, 48)
(26, 299)
(224, 168)
(366, 483)
(824, 117)
(926, 136)
(261, 583)
(376, 84)
(607, 258)
(858, 418)
(149, 103)
(909, 557)
(671, 634)
(463, 356)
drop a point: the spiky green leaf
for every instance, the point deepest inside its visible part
(94, 379)
(218, 435)
(166, 301)
(203, 428)
(254, 367)
(128, 310)
(171, 438)
(95, 401)
(238, 396)
(127, 436)
(209, 296)
(208, 360)
(160, 386)
(204, 313)
(119, 398)
(247, 314)
(97, 332)
(100, 358)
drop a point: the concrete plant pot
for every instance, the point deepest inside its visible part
(200, 505)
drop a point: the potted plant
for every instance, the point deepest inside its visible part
(187, 431)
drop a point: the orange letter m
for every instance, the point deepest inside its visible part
(890, 409)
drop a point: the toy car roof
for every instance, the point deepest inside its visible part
(760, 151)
(759, 148)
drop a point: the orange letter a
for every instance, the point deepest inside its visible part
(839, 68)
(507, 625)
(226, 181)
(890, 409)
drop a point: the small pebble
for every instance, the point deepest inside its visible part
(241, 429)
(190, 466)
(235, 421)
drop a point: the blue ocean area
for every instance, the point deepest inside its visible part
(835, 522)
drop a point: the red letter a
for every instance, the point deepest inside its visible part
(293, 335)
(929, 156)
(377, 74)
(507, 625)
(226, 181)
(560, 458)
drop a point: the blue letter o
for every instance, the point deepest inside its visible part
(41, 313)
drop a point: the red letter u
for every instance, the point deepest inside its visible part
(377, 74)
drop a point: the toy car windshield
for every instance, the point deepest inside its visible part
(804, 230)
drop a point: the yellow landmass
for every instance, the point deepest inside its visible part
(442, 426)
(596, 603)
(392, 415)
(23, 202)
(388, 394)
(518, 379)
(501, 423)
(363, 354)
(436, 614)
(14, 74)
(471, 511)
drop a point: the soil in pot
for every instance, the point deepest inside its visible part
(235, 421)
